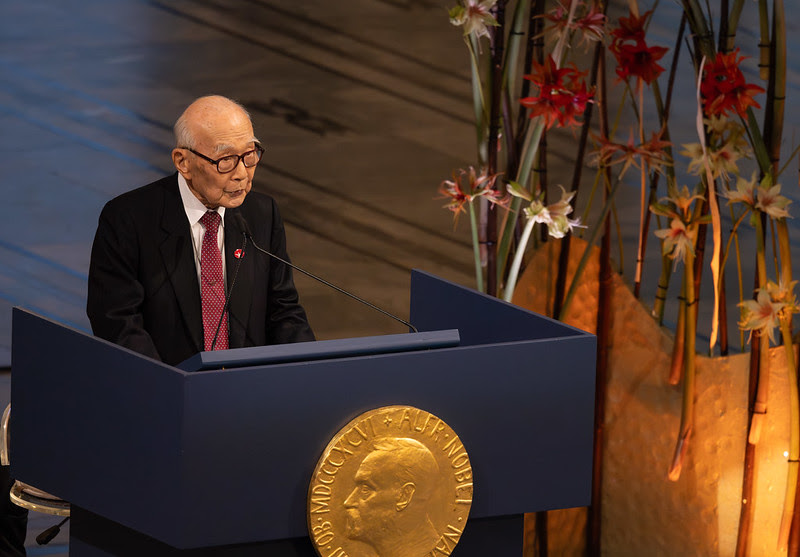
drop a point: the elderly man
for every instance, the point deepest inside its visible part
(166, 256)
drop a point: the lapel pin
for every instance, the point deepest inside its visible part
(238, 254)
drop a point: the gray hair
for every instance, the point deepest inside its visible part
(184, 138)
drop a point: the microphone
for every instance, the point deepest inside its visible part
(248, 236)
(228, 294)
(47, 536)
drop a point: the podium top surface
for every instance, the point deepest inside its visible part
(320, 350)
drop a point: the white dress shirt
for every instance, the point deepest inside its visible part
(194, 212)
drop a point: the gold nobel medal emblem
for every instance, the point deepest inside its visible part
(394, 482)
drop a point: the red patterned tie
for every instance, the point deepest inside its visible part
(212, 288)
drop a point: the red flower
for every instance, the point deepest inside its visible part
(467, 186)
(634, 57)
(724, 89)
(631, 29)
(652, 152)
(638, 60)
(589, 25)
(562, 93)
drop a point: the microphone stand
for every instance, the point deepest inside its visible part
(248, 236)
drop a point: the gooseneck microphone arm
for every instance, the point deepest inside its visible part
(248, 236)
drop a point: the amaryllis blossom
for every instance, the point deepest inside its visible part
(726, 144)
(721, 163)
(561, 224)
(634, 57)
(467, 186)
(631, 29)
(589, 22)
(722, 159)
(720, 127)
(723, 87)
(638, 60)
(745, 192)
(763, 197)
(475, 16)
(563, 94)
(554, 216)
(678, 205)
(781, 292)
(771, 202)
(653, 153)
(761, 314)
(678, 240)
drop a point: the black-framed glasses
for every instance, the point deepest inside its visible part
(229, 163)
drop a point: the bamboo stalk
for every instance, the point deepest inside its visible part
(701, 32)
(542, 183)
(594, 523)
(664, 109)
(687, 405)
(637, 281)
(478, 105)
(773, 132)
(739, 273)
(496, 95)
(659, 302)
(566, 243)
(794, 438)
(722, 39)
(478, 101)
(533, 42)
(476, 247)
(793, 548)
(760, 406)
(676, 365)
(515, 35)
(542, 541)
(776, 88)
(764, 42)
(603, 342)
(748, 473)
(733, 23)
(723, 314)
(794, 534)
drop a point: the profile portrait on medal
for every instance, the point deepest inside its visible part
(395, 487)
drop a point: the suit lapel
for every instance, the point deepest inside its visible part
(178, 257)
(240, 292)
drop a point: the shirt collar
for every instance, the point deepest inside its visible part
(194, 207)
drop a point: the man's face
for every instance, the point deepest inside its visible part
(372, 505)
(229, 134)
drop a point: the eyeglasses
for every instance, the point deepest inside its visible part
(229, 163)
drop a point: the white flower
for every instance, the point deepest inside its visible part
(678, 241)
(475, 16)
(554, 216)
(771, 202)
(744, 193)
(761, 197)
(560, 224)
(761, 314)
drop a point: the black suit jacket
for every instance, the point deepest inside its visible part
(143, 288)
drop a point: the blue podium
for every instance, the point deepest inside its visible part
(161, 460)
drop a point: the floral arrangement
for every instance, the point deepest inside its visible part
(538, 66)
